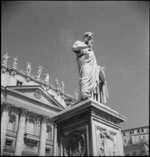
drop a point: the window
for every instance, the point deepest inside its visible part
(30, 127)
(124, 140)
(124, 134)
(138, 131)
(49, 132)
(48, 151)
(134, 154)
(19, 83)
(132, 131)
(37, 129)
(9, 142)
(11, 123)
(143, 137)
(142, 130)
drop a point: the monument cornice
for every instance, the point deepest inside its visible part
(86, 105)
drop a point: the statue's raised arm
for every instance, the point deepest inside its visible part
(92, 77)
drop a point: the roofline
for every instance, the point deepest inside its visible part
(139, 143)
(18, 93)
(23, 73)
(135, 128)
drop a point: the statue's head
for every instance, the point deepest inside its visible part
(88, 36)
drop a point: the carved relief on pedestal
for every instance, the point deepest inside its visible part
(106, 143)
(75, 144)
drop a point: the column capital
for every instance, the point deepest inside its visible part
(32, 116)
(6, 107)
(23, 112)
(15, 109)
(44, 119)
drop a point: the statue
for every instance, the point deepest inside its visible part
(15, 62)
(76, 94)
(106, 145)
(46, 77)
(57, 84)
(39, 72)
(92, 76)
(28, 68)
(62, 86)
(5, 61)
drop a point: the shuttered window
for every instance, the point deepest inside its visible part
(49, 132)
(37, 129)
(30, 128)
(11, 123)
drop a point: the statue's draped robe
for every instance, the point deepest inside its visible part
(92, 76)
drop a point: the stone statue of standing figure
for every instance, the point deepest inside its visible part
(28, 68)
(46, 77)
(39, 72)
(92, 76)
(15, 62)
(5, 61)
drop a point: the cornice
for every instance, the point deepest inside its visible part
(25, 112)
(42, 90)
(31, 77)
(32, 99)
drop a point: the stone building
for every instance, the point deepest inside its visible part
(136, 141)
(40, 119)
(27, 105)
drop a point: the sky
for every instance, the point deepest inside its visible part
(43, 33)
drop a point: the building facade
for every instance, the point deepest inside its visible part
(136, 141)
(27, 105)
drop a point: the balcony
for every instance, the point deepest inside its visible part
(31, 137)
(49, 142)
(11, 133)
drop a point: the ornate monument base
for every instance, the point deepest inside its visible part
(88, 128)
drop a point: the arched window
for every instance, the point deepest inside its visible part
(49, 133)
(12, 122)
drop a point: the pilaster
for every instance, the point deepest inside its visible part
(4, 122)
(43, 136)
(21, 131)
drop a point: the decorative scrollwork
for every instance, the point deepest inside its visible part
(6, 107)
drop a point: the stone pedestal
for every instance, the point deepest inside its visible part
(89, 128)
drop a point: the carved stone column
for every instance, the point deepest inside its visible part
(55, 140)
(4, 123)
(20, 134)
(42, 137)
